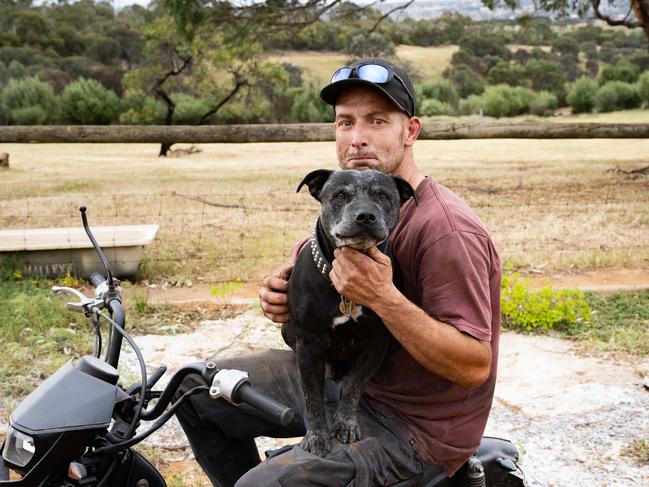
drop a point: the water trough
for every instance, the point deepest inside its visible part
(52, 252)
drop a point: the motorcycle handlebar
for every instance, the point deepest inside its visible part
(97, 279)
(277, 411)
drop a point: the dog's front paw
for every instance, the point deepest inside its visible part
(346, 429)
(316, 442)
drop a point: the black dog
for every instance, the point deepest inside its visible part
(359, 208)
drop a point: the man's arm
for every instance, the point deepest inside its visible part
(366, 279)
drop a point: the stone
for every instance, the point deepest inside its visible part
(4, 159)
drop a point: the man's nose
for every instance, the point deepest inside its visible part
(359, 136)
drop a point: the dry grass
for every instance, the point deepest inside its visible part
(549, 204)
(425, 62)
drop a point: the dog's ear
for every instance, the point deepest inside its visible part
(405, 190)
(315, 180)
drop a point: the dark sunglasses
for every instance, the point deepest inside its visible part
(374, 73)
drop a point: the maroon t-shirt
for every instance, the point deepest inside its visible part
(451, 270)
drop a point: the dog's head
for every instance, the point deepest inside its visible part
(359, 208)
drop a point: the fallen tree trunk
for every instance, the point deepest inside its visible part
(309, 132)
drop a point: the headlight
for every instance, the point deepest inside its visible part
(19, 448)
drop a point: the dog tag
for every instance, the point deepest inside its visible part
(347, 306)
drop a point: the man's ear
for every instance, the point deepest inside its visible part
(405, 190)
(315, 180)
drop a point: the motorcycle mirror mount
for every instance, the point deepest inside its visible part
(95, 244)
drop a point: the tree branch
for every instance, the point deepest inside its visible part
(387, 14)
(239, 83)
(613, 22)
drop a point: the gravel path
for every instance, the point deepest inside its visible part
(572, 416)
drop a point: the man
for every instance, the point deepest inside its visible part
(429, 402)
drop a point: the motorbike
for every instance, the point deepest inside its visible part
(80, 426)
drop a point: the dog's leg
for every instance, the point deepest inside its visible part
(311, 369)
(364, 366)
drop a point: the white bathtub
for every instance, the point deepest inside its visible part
(54, 252)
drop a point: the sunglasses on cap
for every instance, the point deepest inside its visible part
(374, 73)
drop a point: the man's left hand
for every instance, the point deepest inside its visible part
(362, 278)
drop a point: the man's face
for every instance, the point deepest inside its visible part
(371, 133)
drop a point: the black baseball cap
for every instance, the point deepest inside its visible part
(368, 72)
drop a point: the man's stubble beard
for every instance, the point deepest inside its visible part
(387, 167)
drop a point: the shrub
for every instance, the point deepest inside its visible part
(545, 75)
(507, 101)
(87, 102)
(442, 90)
(643, 87)
(524, 309)
(138, 108)
(308, 107)
(616, 95)
(189, 109)
(28, 101)
(467, 81)
(622, 71)
(432, 107)
(471, 105)
(505, 73)
(543, 103)
(581, 95)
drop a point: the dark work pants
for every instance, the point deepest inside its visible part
(222, 435)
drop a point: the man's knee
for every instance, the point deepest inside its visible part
(297, 468)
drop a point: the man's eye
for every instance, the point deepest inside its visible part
(378, 121)
(344, 123)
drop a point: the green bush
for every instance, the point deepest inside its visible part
(442, 90)
(471, 105)
(543, 103)
(432, 107)
(507, 101)
(308, 107)
(189, 110)
(643, 87)
(467, 80)
(581, 95)
(138, 108)
(28, 101)
(87, 102)
(617, 95)
(506, 73)
(546, 75)
(622, 71)
(525, 309)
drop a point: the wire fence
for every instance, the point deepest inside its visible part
(230, 235)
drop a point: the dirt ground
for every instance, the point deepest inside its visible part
(598, 280)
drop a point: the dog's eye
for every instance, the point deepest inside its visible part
(341, 196)
(383, 197)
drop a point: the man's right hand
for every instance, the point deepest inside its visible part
(273, 295)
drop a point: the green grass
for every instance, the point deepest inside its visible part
(39, 334)
(615, 323)
(619, 323)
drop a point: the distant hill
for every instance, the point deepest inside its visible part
(427, 9)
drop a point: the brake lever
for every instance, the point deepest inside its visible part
(84, 304)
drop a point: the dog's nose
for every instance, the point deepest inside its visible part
(365, 218)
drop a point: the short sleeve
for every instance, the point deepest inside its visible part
(454, 282)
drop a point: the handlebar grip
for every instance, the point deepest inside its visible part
(276, 410)
(97, 279)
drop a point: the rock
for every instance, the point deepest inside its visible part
(4, 159)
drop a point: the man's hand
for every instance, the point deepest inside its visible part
(362, 278)
(273, 295)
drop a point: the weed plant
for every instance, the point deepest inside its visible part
(526, 309)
